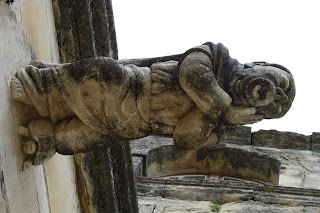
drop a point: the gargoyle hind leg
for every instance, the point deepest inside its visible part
(69, 137)
(73, 136)
(196, 130)
(18, 93)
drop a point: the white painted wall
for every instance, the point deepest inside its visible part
(27, 32)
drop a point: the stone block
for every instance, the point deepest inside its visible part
(137, 164)
(241, 136)
(281, 140)
(315, 141)
(312, 180)
(167, 205)
(194, 192)
(291, 177)
(146, 208)
(144, 145)
(260, 206)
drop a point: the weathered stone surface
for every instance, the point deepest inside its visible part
(144, 145)
(160, 205)
(315, 141)
(254, 207)
(226, 159)
(146, 208)
(140, 149)
(311, 179)
(190, 192)
(227, 192)
(4, 204)
(163, 205)
(107, 180)
(85, 29)
(299, 168)
(281, 140)
(287, 199)
(240, 136)
(137, 164)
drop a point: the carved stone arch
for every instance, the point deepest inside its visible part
(225, 159)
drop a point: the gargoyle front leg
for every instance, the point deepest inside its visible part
(196, 77)
(196, 130)
(240, 115)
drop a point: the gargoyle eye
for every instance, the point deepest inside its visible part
(284, 82)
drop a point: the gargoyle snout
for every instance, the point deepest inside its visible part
(281, 97)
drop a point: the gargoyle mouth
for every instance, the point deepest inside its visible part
(260, 92)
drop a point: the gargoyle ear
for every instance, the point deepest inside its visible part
(252, 64)
(248, 65)
(280, 67)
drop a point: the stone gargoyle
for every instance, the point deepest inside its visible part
(197, 98)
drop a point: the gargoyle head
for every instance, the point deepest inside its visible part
(268, 87)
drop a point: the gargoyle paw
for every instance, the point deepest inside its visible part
(17, 91)
(29, 147)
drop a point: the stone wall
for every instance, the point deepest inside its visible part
(275, 139)
(226, 192)
(27, 32)
(298, 189)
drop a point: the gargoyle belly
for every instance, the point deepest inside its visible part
(112, 108)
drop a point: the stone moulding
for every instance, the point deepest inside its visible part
(227, 191)
(281, 140)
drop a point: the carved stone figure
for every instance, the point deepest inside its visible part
(197, 98)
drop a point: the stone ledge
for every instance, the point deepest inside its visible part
(165, 205)
(227, 191)
(281, 140)
(258, 206)
(241, 136)
(233, 185)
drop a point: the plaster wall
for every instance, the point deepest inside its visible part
(27, 32)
